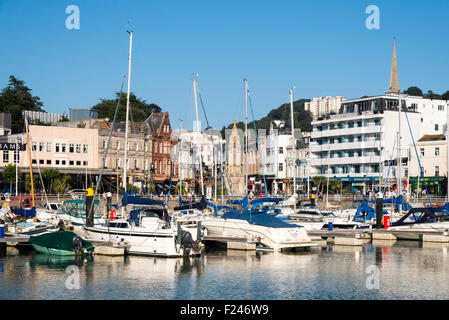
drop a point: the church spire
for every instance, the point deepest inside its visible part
(394, 82)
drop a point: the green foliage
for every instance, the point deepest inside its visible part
(9, 174)
(28, 182)
(61, 184)
(139, 109)
(414, 91)
(335, 185)
(14, 99)
(50, 174)
(130, 187)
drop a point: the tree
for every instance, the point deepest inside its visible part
(445, 96)
(28, 182)
(431, 95)
(14, 99)
(9, 174)
(414, 91)
(61, 184)
(50, 174)
(139, 109)
(335, 185)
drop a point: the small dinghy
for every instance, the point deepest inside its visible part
(62, 243)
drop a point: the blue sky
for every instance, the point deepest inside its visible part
(321, 47)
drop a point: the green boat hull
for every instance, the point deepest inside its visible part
(59, 252)
(59, 243)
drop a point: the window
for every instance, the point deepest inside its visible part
(5, 156)
(63, 162)
(118, 145)
(41, 161)
(78, 163)
(34, 147)
(85, 148)
(281, 167)
(48, 161)
(437, 151)
(63, 147)
(104, 143)
(281, 150)
(436, 127)
(137, 146)
(33, 161)
(57, 162)
(85, 163)
(117, 162)
(421, 150)
(136, 163)
(71, 148)
(41, 146)
(437, 171)
(78, 148)
(441, 108)
(57, 147)
(48, 146)
(71, 162)
(16, 156)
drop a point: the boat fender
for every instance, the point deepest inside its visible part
(113, 214)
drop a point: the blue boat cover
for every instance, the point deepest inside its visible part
(263, 200)
(126, 199)
(243, 203)
(193, 205)
(261, 219)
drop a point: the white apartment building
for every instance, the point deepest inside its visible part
(433, 158)
(193, 146)
(357, 144)
(322, 106)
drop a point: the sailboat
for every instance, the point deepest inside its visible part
(146, 228)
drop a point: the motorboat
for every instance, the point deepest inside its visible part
(148, 230)
(49, 211)
(62, 243)
(424, 218)
(263, 228)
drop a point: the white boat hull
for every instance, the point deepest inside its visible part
(273, 238)
(141, 242)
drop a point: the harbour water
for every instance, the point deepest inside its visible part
(377, 271)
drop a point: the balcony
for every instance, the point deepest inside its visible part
(368, 144)
(345, 131)
(345, 160)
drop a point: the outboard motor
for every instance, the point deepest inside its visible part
(77, 243)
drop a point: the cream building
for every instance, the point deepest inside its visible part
(323, 106)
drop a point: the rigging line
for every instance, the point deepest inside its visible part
(389, 165)
(417, 157)
(107, 147)
(257, 144)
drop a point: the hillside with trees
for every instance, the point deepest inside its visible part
(139, 109)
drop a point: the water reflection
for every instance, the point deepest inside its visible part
(408, 270)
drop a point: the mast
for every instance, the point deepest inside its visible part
(127, 107)
(29, 158)
(399, 164)
(293, 144)
(16, 152)
(198, 129)
(180, 155)
(246, 136)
